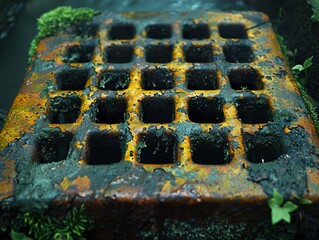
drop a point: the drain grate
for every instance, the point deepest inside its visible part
(160, 107)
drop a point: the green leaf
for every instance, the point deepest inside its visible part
(278, 214)
(272, 203)
(305, 201)
(308, 62)
(298, 67)
(289, 206)
(277, 196)
(18, 236)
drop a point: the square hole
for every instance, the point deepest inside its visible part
(114, 80)
(64, 109)
(204, 110)
(157, 79)
(238, 53)
(157, 147)
(262, 147)
(201, 79)
(79, 54)
(157, 110)
(119, 54)
(72, 79)
(158, 53)
(210, 149)
(245, 78)
(196, 31)
(122, 31)
(159, 31)
(109, 111)
(104, 148)
(253, 110)
(232, 30)
(52, 146)
(199, 54)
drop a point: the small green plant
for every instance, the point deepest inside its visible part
(280, 210)
(303, 68)
(41, 226)
(18, 236)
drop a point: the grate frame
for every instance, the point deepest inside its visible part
(117, 71)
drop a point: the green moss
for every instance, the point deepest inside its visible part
(55, 21)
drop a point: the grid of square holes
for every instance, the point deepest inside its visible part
(153, 90)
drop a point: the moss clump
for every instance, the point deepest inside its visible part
(55, 21)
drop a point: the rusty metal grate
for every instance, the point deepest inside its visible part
(188, 108)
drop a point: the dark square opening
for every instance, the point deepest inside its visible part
(72, 79)
(210, 149)
(232, 30)
(64, 109)
(122, 31)
(157, 110)
(204, 110)
(158, 53)
(159, 31)
(201, 79)
(157, 148)
(263, 147)
(110, 111)
(196, 31)
(245, 78)
(52, 146)
(114, 80)
(79, 54)
(238, 53)
(253, 110)
(104, 148)
(119, 54)
(199, 54)
(157, 79)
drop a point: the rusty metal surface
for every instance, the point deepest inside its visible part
(147, 109)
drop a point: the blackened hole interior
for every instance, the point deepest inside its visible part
(114, 80)
(105, 148)
(253, 110)
(119, 54)
(157, 79)
(158, 53)
(245, 78)
(201, 79)
(157, 148)
(52, 146)
(198, 54)
(72, 79)
(158, 31)
(79, 54)
(122, 31)
(157, 110)
(64, 109)
(232, 30)
(210, 149)
(196, 31)
(262, 148)
(238, 53)
(204, 110)
(110, 111)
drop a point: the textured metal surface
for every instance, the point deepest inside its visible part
(149, 112)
